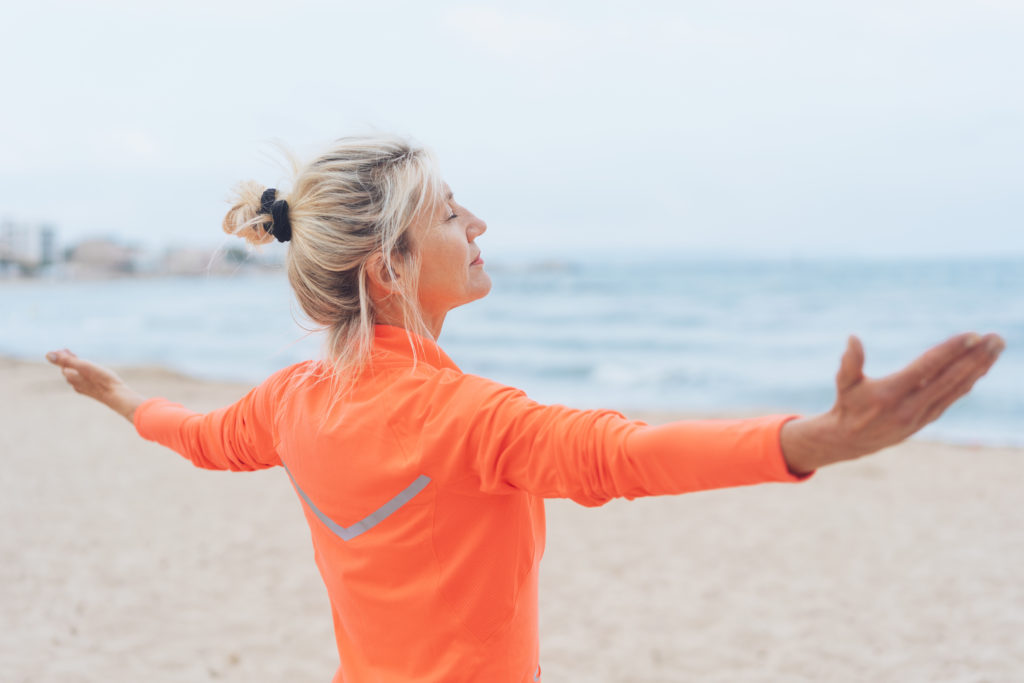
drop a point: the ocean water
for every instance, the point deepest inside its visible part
(713, 336)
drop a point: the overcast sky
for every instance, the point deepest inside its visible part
(876, 127)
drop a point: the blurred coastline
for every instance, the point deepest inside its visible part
(32, 251)
(668, 335)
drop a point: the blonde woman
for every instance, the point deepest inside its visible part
(424, 486)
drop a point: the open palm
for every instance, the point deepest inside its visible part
(871, 414)
(96, 381)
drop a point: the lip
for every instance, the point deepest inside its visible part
(478, 261)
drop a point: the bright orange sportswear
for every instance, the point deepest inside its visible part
(424, 488)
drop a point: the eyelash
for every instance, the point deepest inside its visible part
(454, 215)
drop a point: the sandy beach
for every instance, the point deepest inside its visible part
(122, 562)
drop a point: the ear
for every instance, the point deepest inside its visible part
(382, 281)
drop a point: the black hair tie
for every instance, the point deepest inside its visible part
(280, 226)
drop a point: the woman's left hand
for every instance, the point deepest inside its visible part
(871, 414)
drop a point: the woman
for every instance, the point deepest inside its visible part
(424, 486)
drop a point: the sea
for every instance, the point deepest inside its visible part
(706, 336)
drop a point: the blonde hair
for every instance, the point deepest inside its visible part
(357, 200)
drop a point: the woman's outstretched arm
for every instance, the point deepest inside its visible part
(237, 437)
(871, 414)
(594, 456)
(97, 382)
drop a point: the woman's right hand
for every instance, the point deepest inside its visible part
(96, 381)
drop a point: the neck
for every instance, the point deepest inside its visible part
(392, 315)
(435, 326)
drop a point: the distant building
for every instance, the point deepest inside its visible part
(230, 260)
(26, 247)
(101, 258)
(192, 261)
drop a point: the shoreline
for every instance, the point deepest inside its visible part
(158, 374)
(124, 562)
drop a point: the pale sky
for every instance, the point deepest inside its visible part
(878, 127)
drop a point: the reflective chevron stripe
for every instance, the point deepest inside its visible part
(372, 519)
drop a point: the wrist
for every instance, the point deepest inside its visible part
(124, 402)
(809, 443)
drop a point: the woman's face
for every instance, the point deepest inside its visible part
(451, 269)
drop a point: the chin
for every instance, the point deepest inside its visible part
(484, 287)
(477, 295)
(478, 291)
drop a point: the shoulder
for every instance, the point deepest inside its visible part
(473, 404)
(291, 378)
(469, 387)
(476, 403)
(430, 398)
(305, 369)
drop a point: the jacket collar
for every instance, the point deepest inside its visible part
(394, 344)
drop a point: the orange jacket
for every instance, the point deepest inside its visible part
(424, 489)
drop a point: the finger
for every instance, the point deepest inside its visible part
(957, 392)
(60, 357)
(967, 368)
(932, 362)
(72, 376)
(851, 367)
(66, 359)
(936, 411)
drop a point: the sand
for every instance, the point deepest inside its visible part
(122, 562)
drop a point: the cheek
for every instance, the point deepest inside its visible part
(443, 270)
(445, 274)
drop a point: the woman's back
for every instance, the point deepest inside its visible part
(429, 577)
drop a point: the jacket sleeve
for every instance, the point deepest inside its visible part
(594, 456)
(239, 437)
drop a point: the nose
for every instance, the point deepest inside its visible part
(476, 227)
